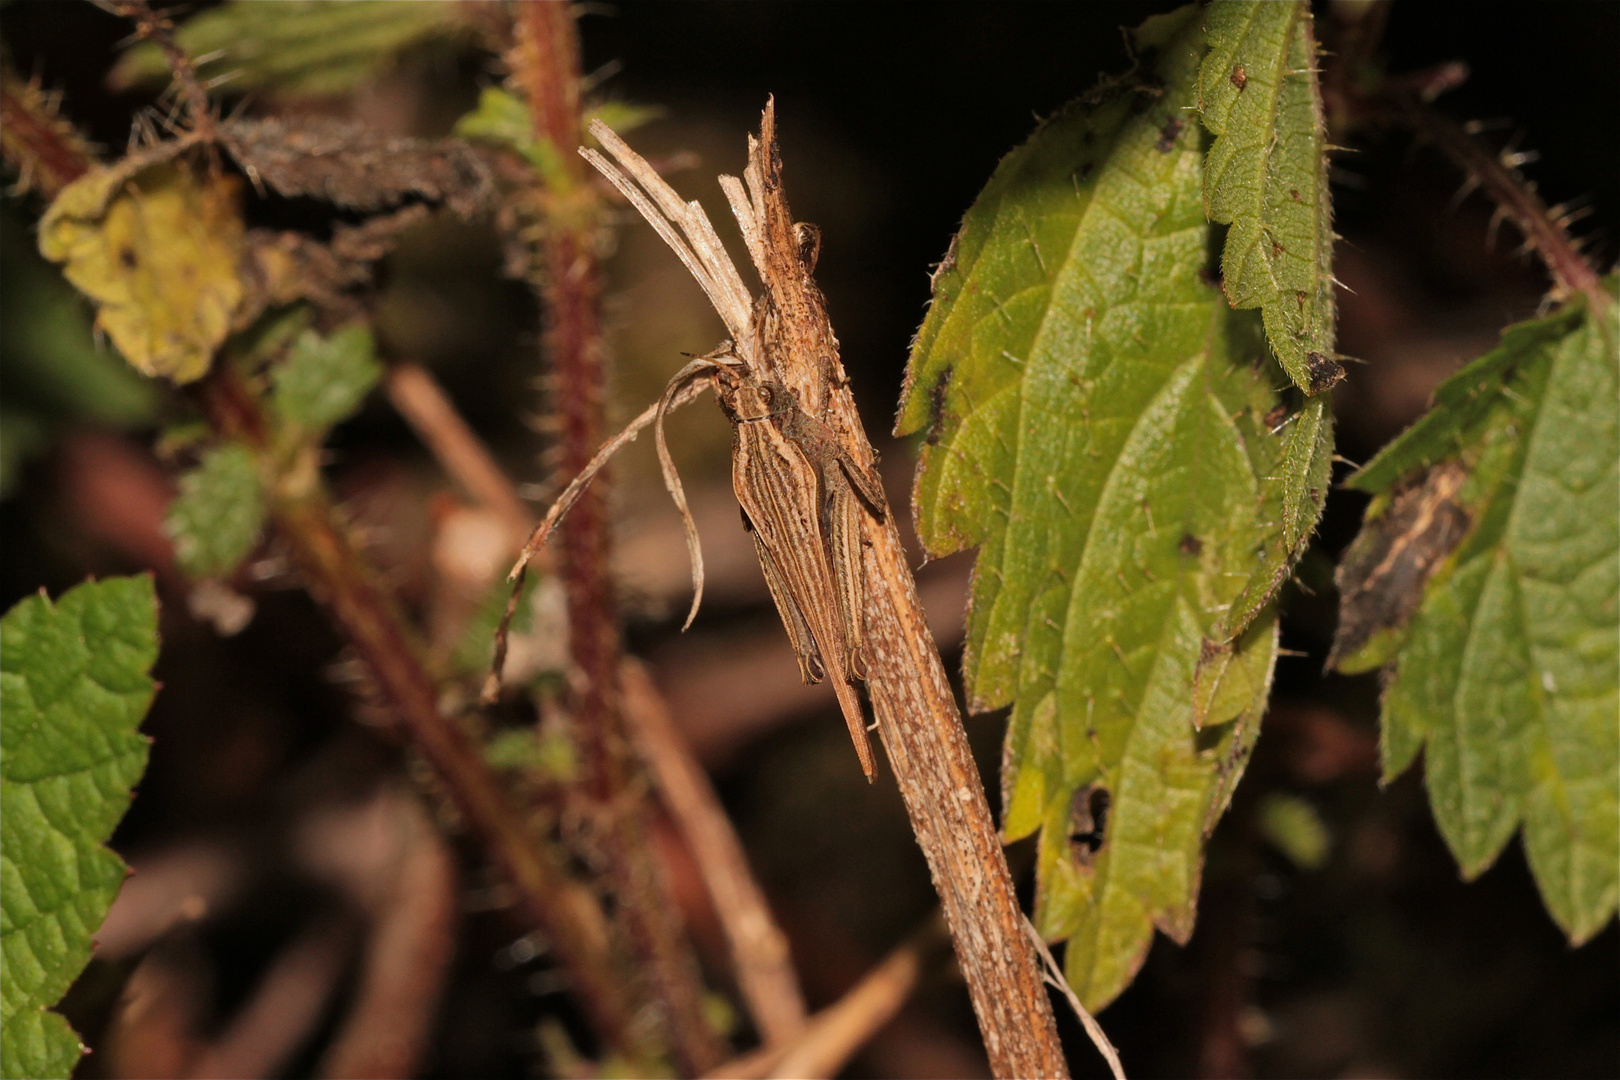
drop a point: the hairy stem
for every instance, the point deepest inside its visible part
(544, 60)
(1500, 179)
(46, 151)
(565, 911)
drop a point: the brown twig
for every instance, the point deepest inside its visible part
(916, 711)
(759, 949)
(409, 947)
(836, 1033)
(927, 746)
(420, 399)
(544, 60)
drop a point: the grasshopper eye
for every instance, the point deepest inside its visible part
(808, 239)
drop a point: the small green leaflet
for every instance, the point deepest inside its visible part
(503, 118)
(73, 690)
(219, 514)
(217, 517)
(301, 48)
(324, 380)
(1498, 513)
(1267, 178)
(1106, 429)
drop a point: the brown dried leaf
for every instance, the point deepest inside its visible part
(349, 166)
(283, 267)
(1382, 577)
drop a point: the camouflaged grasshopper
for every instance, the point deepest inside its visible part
(803, 492)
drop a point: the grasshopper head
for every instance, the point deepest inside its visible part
(747, 397)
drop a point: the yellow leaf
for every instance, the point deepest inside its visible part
(157, 250)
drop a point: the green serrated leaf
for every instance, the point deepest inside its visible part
(1508, 674)
(299, 48)
(1267, 178)
(1106, 429)
(324, 380)
(217, 517)
(501, 117)
(73, 689)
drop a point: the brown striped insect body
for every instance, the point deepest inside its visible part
(802, 499)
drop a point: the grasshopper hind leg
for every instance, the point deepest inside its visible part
(811, 669)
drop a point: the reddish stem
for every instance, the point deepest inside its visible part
(545, 64)
(47, 153)
(1512, 193)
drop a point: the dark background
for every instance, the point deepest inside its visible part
(892, 117)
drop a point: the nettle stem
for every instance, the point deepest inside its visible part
(544, 60)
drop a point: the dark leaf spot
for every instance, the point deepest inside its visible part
(1382, 577)
(127, 258)
(808, 238)
(1240, 78)
(1168, 135)
(1323, 371)
(936, 407)
(1191, 545)
(1088, 822)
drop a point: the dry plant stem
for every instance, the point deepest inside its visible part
(1543, 229)
(759, 949)
(1055, 979)
(928, 750)
(837, 1033)
(568, 913)
(786, 335)
(544, 60)
(918, 718)
(285, 1007)
(420, 399)
(411, 943)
